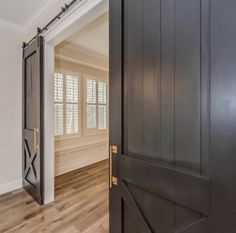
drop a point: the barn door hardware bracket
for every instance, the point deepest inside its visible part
(113, 180)
(114, 149)
(63, 11)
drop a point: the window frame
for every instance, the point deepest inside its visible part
(64, 103)
(95, 130)
(58, 102)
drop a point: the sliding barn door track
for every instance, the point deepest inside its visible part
(63, 11)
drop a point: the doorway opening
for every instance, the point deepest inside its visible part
(81, 97)
(81, 121)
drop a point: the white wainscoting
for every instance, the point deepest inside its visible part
(71, 158)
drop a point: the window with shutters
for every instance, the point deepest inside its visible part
(72, 105)
(96, 105)
(102, 105)
(69, 115)
(66, 105)
(58, 104)
(91, 108)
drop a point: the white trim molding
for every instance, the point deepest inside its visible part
(11, 26)
(47, 10)
(42, 11)
(78, 17)
(11, 186)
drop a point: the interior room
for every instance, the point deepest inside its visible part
(117, 116)
(81, 98)
(79, 109)
(81, 121)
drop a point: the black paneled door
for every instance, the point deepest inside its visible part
(33, 119)
(172, 116)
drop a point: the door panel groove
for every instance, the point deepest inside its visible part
(134, 209)
(195, 227)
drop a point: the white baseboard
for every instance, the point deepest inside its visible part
(5, 188)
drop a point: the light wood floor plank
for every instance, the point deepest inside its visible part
(81, 205)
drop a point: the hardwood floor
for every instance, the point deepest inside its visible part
(81, 205)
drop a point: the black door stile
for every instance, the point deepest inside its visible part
(172, 116)
(33, 180)
(115, 109)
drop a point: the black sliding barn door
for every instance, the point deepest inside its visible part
(33, 119)
(173, 116)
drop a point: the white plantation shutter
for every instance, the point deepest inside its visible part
(66, 104)
(96, 104)
(102, 117)
(67, 100)
(58, 87)
(102, 105)
(72, 119)
(72, 104)
(91, 91)
(72, 91)
(58, 105)
(91, 101)
(58, 119)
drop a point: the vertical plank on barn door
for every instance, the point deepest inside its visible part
(133, 69)
(133, 91)
(187, 94)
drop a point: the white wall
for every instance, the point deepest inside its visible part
(10, 110)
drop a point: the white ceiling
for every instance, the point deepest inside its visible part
(20, 13)
(94, 37)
